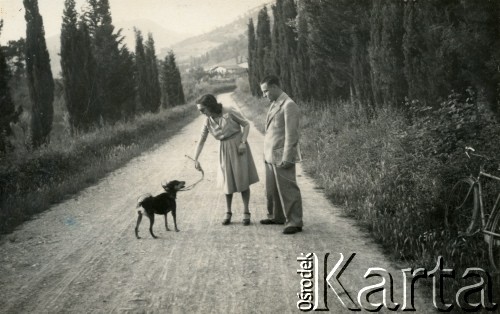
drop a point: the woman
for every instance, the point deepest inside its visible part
(237, 168)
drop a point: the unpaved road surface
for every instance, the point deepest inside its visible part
(81, 256)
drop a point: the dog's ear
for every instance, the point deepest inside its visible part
(164, 185)
(169, 185)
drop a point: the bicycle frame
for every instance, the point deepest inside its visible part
(486, 223)
(490, 222)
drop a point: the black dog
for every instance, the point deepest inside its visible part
(160, 205)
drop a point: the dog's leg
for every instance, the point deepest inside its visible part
(139, 218)
(175, 221)
(151, 222)
(166, 223)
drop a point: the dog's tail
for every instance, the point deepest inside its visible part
(142, 198)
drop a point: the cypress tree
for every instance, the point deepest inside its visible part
(153, 76)
(476, 54)
(276, 38)
(147, 73)
(264, 44)
(330, 46)
(165, 79)
(360, 64)
(78, 71)
(361, 70)
(288, 44)
(414, 51)
(141, 71)
(173, 93)
(252, 60)
(386, 52)
(7, 110)
(375, 49)
(111, 81)
(425, 65)
(301, 64)
(126, 89)
(39, 74)
(179, 91)
(495, 59)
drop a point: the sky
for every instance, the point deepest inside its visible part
(184, 16)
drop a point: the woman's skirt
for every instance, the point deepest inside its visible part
(237, 172)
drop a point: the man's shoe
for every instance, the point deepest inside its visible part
(270, 222)
(292, 230)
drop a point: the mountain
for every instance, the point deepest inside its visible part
(162, 37)
(199, 45)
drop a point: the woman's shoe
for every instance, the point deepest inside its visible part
(227, 220)
(246, 219)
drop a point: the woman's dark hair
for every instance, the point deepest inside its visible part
(209, 102)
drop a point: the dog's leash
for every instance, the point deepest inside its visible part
(190, 187)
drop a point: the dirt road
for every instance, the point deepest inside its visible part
(81, 256)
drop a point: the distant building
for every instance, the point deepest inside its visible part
(220, 70)
(228, 68)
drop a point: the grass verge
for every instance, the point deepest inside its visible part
(31, 183)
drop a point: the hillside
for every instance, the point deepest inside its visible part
(228, 34)
(163, 37)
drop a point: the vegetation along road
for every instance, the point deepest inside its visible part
(82, 254)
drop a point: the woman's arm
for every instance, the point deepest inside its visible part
(199, 147)
(246, 130)
(242, 148)
(236, 116)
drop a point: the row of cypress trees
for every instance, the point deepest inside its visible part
(103, 81)
(379, 52)
(147, 73)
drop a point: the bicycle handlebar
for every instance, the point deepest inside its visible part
(469, 151)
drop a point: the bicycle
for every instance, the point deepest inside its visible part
(464, 212)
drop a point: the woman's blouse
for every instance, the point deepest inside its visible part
(225, 126)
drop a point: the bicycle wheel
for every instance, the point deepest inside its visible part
(462, 206)
(494, 243)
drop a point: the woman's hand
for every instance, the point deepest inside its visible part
(197, 165)
(242, 148)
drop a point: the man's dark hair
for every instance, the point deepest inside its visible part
(270, 80)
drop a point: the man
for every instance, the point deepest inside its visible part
(281, 152)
